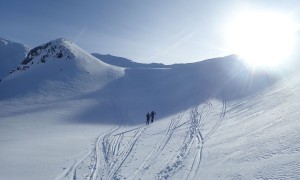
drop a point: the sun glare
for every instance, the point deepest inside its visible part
(262, 39)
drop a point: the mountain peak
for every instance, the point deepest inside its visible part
(61, 41)
(60, 61)
(11, 55)
(59, 54)
(3, 41)
(56, 49)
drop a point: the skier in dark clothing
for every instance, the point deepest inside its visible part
(148, 118)
(152, 116)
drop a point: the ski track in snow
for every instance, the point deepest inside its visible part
(111, 149)
(222, 115)
(193, 143)
(70, 172)
(192, 135)
(94, 157)
(101, 155)
(105, 158)
(157, 149)
(121, 155)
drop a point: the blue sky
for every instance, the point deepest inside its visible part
(166, 31)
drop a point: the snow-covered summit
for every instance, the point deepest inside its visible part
(11, 54)
(3, 42)
(59, 65)
(59, 49)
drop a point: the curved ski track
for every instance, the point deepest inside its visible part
(157, 149)
(105, 158)
(193, 143)
(92, 156)
(192, 135)
(222, 115)
(110, 150)
(121, 155)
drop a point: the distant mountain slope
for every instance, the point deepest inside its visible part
(11, 54)
(60, 68)
(66, 115)
(124, 62)
(171, 90)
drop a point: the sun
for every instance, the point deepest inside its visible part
(262, 38)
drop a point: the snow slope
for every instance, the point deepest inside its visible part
(11, 55)
(249, 138)
(66, 115)
(124, 62)
(164, 89)
(62, 70)
(58, 69)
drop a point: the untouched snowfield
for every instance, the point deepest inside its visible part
(46, 132)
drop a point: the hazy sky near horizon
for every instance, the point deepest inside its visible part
(165, 31)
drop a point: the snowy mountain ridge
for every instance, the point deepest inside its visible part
(126, 63)
(3, 41)
(55, 50)
(11, 55)
(62, 69)
(59, 62)
(59, 49)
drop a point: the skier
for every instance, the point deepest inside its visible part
(148, 118)
(152, 116)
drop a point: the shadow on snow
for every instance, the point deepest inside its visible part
(170, 90)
